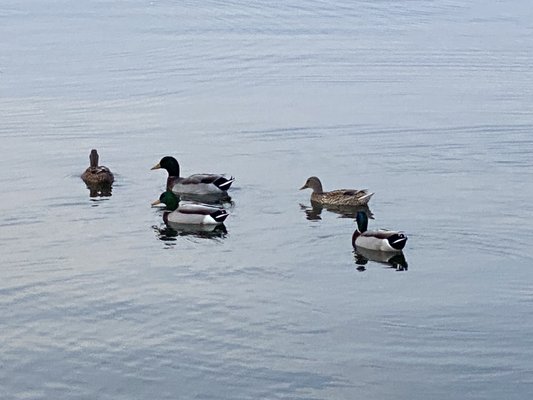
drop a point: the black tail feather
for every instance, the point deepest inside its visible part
(397, 241)
(223, 183)
(219, 215)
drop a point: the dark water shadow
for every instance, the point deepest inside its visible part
(170, 232)
(97, 191)
(394, 261)
(314, 212)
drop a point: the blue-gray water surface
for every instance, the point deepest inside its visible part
(426, 103)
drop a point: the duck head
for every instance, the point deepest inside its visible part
(170, 164)
(169, 199)
(314, 184)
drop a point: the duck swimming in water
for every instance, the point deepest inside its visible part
(380, 240)
(189, 214)
(97, 174)
(340, 197)
(197, 184)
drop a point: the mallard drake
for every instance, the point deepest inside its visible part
(380, 240)
(340, 197)
(194, 214)
(197, 184)
(97, 174)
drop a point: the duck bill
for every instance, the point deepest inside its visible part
(157, 166)
(155, 203)
(303, 187)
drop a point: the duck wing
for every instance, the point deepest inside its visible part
(200, 214)
(218, 180)
(380, 234)
(351, 197)
(396, 240)
(198, 209)
(352, 192)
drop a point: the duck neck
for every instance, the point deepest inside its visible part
(93, 159)
(170, 181)
(362, 221)
(317, 187)
(173, 168)
(355, 235)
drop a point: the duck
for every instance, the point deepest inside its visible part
(340, 197)
(197, 184)
(189, 214)
(380, 240)
(97, 174)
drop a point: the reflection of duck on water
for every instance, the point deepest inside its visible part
(170, 231)
(314, 212)
(100, 190)
(393, 260)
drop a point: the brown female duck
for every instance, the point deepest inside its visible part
(340, 197)
(97, 174)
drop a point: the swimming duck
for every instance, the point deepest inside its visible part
(194, 214)
(197, 184)
(380, 240)
(341, 197)
(97, 174)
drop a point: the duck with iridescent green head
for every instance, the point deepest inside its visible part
(190, 213)
(197, 184)
(380, 240)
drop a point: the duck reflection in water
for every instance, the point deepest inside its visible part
(314, 212)
(99, 190)
(392, 260)
(169, 232)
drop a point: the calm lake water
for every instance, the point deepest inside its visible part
(426, 103)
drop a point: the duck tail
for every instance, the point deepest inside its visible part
(364, 199)
(224, 183)
(397, 241)
(219, 215)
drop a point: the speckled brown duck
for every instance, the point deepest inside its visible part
(340, 197)
(97, 174)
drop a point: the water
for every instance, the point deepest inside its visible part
(428, 104)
